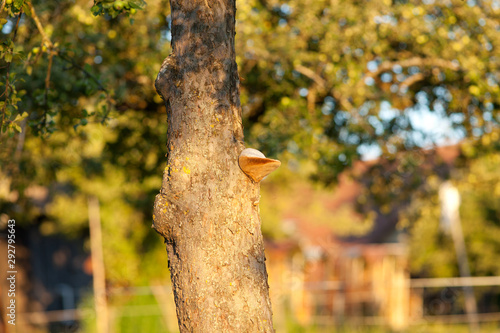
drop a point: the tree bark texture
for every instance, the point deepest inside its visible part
(207, 209)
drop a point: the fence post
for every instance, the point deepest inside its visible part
(450, 203)
(98, 274)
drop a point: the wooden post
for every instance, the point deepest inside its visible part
(450, 201)
(99, 279)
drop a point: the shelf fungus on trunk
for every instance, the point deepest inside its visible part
(255, 165)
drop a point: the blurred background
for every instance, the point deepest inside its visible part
(385, 214)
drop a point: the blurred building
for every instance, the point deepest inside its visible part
(53, 278)
(332, 283)
(327, 279)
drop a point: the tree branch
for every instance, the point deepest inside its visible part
(385, 66)
(411, 80)
(39, 26)
(84, 71)
(416, 61)
(2, 6)
(312, 75)
(51, 53)
(7, 73)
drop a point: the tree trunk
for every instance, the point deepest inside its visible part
(207, 209)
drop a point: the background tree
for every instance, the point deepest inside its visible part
(357, 84)
(337, 81)
(47, 177)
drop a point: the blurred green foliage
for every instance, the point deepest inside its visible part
(432, 250)
(329, 80)
(97, 128)
(289, 195)
(114, 8)
(130, 313)
(324, 83)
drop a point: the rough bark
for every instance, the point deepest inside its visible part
(207, 209)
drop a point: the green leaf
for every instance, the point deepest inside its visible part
(20, 117)
(96, 9)
(17, 127)
(136, 4)
(8, 57)
(18, 3)
(26, 9)
(87, 68)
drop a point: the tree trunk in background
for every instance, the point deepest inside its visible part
(207, 208)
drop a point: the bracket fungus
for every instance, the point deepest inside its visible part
(255, 165)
